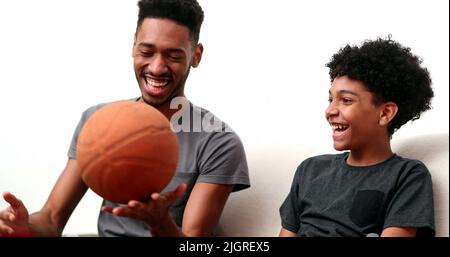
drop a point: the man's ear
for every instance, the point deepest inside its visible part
(387, 113)
(197, 57)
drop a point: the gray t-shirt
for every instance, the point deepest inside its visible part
(328, 197)
(204, 156)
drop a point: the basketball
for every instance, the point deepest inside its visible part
(126, 151)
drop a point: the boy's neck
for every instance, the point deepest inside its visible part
(370, 156)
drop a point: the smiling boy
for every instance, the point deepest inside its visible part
(369, 190)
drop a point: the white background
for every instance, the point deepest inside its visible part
(263, 71)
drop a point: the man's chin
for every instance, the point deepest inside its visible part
(155, 102)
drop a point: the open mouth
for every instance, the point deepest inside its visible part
(338, 127)
(156, 86)
(339, 130)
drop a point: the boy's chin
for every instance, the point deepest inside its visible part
(340, 147)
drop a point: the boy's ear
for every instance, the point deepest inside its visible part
(387, 113)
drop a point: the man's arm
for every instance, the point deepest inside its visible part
(286, 233)
(53, 216)
(399, 232)
(204, 208)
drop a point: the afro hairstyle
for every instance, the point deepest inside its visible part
(391, 72)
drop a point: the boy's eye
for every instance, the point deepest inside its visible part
(347, 100)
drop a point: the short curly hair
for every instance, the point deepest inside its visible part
(391, 72)
(188, 13)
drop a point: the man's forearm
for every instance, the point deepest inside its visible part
(166, 227)
(41, 224)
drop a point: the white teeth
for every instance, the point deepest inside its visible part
(156, 83)
(336, 126)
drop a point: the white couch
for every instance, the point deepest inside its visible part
(254, 212)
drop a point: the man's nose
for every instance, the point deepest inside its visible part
(158, 66)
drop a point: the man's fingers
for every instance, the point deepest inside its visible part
(107, 209)
(5, 215)
(6, 230)
(125, 211)
(180, 190)
(171, 196)
(133, 204)
(13, 200)
(155, 196)
(12, 217)
(134, 207)
(120, 211)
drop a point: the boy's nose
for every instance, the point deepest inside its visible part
(331, 111)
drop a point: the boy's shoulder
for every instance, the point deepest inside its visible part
(324, 159)
(401, 159)
(339, 158)
(407, 167)
(396, 163)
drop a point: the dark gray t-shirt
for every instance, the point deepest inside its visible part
(204, 156)
(328, 197)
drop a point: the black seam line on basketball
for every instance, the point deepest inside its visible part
(120, 142)
(88, 164)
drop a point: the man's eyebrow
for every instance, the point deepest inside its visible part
(147, 45)
(175, 50)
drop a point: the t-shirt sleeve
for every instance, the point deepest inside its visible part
(223, 161)
(290, 210)
(72, 153)
(412, 204)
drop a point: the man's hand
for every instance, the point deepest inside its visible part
(14, 219)
(154, 212)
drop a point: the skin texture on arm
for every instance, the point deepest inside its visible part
(204, 208)
(53, 216)
(286, 233)
(201, 214)
(399, 232)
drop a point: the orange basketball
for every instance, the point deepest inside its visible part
(127, 151)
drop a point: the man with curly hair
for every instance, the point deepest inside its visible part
(369, 190)
(212, 163)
